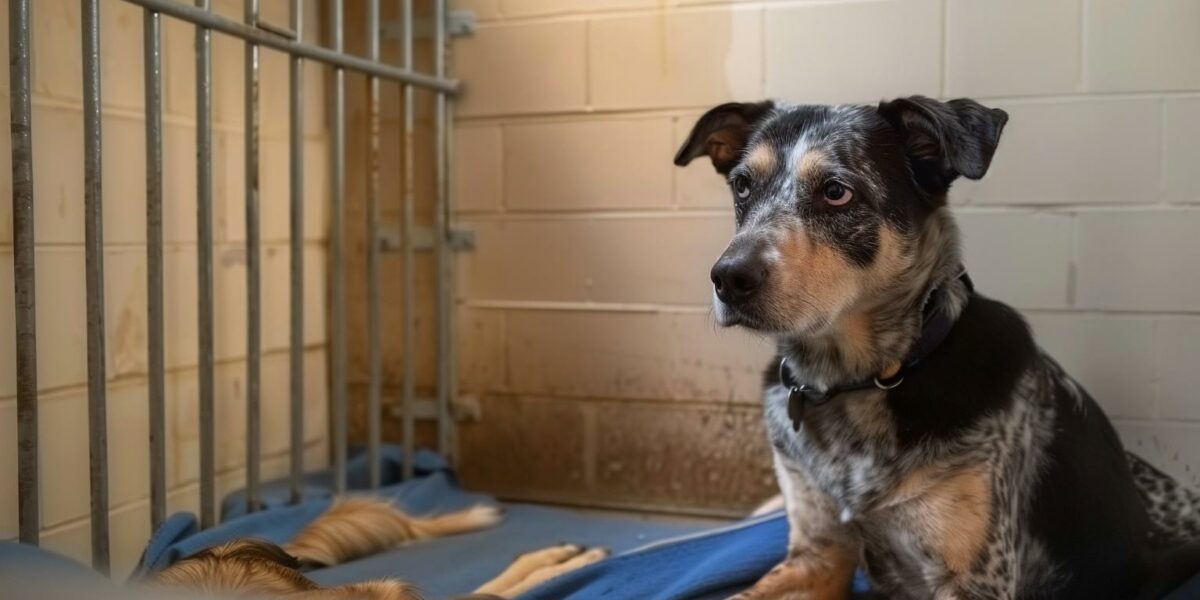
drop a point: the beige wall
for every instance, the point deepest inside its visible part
(585, 321)
(58, 180)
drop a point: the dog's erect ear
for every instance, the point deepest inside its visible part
(722, 133)
(945, 139)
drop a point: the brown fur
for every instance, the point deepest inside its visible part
(349, 529)
(355, 527)
(811, 166)
(249, 567)
(812, 281)
(761, 159)
(956, 515)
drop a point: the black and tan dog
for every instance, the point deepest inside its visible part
(350, 529)
(917, 429)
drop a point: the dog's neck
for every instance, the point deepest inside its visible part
(875, 335)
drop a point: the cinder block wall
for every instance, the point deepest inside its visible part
(585, 326)
(58, 188)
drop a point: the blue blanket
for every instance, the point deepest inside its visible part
(654, 559)
(442, 567)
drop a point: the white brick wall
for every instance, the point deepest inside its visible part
(594, 250)
(58, 177)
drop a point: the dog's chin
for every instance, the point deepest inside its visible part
(748, 318)
(728, 316)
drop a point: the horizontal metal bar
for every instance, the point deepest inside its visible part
(391, 239)
(259, 36)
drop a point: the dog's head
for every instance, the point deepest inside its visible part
(830, 201)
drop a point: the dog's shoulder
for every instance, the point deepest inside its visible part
(976, 371)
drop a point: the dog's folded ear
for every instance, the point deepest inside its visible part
(722, 134)
(944, 140)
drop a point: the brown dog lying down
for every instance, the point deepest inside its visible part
(353, 528)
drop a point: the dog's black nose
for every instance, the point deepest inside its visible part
(737, 276)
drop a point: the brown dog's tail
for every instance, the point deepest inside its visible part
(355, 527)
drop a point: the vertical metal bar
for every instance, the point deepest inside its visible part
(339, 252)
(152, 38)
(204, 272)
(21, 126)
(441, 213)
(374, 410)
(254, 325)
(296, 173)
(94, 264)
(449, 356)
(409, 262)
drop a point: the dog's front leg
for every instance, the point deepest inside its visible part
(822, 555)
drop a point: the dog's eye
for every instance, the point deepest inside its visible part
(741, 187)
(836, 194)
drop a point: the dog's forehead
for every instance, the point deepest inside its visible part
(791, 131)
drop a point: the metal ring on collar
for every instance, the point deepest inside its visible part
(889, 384)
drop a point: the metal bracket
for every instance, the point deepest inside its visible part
(391, 239)
(459, 23)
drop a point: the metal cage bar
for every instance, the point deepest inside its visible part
(254, 36)
(408, 261)
(338, 260)
(93, 215)
(441, 213)
(374, 413)
(251, 33)
(152, 59)
(21, 131)
(204, 272)
(296, 189)
(253, 265)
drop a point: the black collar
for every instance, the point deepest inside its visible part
(935, 326)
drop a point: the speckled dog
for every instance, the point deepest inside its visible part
(918, 431)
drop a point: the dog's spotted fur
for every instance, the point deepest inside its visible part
(989, 472)
(1174, 509)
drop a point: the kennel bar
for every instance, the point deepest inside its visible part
(338, 248)
(445, 300)
(374, 365)
(152, 61)
(24, 301)
(441, 239)
(273, 40)
(408, 261)
(204, 273)
(296, 189)
(253, 265)
(93, 230)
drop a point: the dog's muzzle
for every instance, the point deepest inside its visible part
(739, 274)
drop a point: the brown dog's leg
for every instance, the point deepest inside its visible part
(526, 564)
(547, 573)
